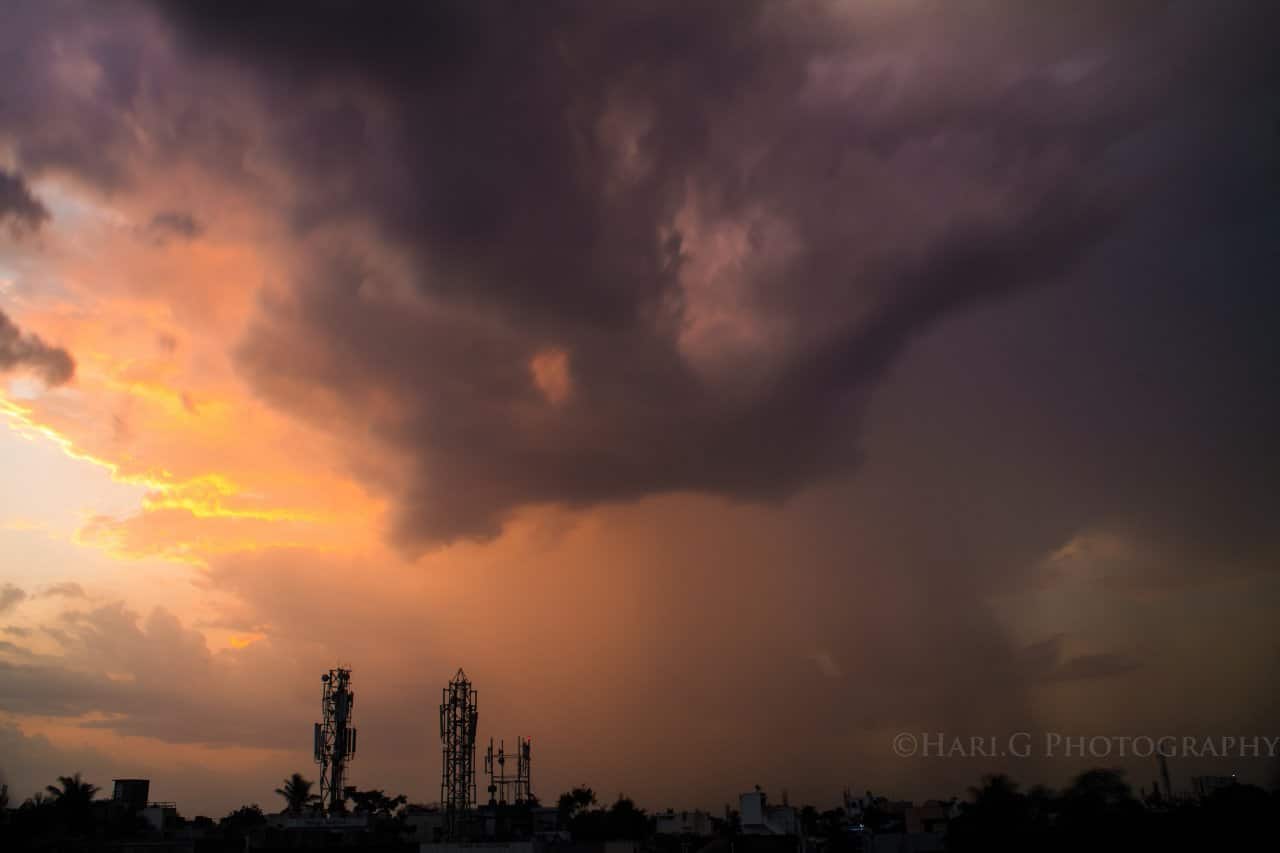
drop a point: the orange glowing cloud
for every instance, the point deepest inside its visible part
(157, 401)
(550, 369)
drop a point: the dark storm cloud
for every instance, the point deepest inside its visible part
(50, 123)
(564, 178)
(20, 349)
(727, 222)
(175, 223)
(19, 208)
(79, 80)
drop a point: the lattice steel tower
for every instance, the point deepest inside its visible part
(458, 736)
(335, 739)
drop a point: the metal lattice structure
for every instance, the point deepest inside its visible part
(504, 788)
(458, 717)
(335, 738)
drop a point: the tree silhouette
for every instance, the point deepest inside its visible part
(997, 818)
(1100, 792)
(71, 798)
(1099, 803)
(1240, 814)
(376, 802)
(37, 800)
(621, 820)
(572, 803)
(624, 820)
(297, 794)
(74, 792)
(237, 825)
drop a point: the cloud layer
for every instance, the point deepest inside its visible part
(727, 223)
(20, 349)
(916, 359)
(19, 208)
(723, 227)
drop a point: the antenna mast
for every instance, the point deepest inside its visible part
(335, 738)
(504, 789)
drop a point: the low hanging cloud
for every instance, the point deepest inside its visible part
(20, 210)
(65, 589)
(1046, 662)
(11, 596)
(148, 676)
(23, 350)
(175, 223)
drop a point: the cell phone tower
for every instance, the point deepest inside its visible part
(335, 738)
(458, 717)
(503, 788)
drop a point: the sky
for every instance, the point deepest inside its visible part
(727, 388)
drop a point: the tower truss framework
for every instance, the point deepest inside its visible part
(458, 717)
(335, 737)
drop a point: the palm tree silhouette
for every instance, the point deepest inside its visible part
(297, 793)
(72, 798)
(75, 793)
